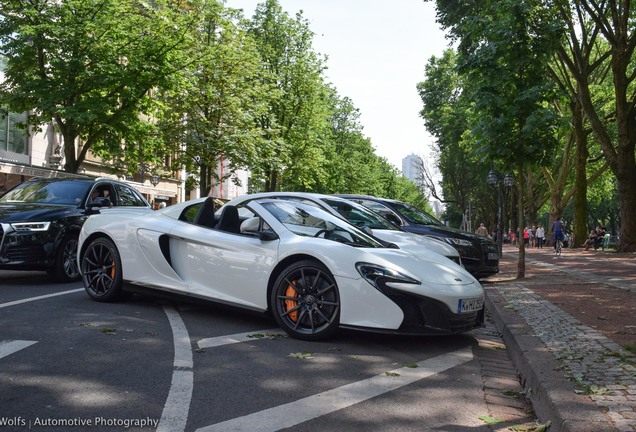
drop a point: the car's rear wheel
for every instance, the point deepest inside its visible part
(66, 268)
(101, 271)
(305, 301)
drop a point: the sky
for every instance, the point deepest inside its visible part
(377, 51)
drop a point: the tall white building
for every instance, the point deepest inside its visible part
(410, 166)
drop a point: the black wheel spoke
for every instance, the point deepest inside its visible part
(327, 288)
(323, 316)
(294, 309)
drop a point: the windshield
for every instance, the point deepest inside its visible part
(415, 215)
(359, 215)
(59, 192)
(308, 221)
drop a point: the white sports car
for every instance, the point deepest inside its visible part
(312, 271)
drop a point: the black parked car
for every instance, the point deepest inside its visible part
(40, 220)
(479, 255)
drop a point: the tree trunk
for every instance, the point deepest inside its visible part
(626, 178)
(580, 183)
(521, 263)
(618, 151)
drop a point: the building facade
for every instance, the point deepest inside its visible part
(25, 154)
(39, 153)
(411, 167)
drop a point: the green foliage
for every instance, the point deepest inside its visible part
(163, 86)
(447, 114)
(297, 113)
(220, 95)
(90, 65)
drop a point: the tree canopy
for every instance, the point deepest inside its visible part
(170, 86)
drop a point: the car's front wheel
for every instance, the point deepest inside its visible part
(305, 301)
(65, 268)
(101, 271)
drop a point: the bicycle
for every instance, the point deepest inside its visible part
(558, 246)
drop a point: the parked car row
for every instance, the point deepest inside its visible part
(316, 263)
(480, 255)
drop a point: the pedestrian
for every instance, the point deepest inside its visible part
(540, 237)
(482, 230)
(533, 236)
(526, 236)
(558, 231)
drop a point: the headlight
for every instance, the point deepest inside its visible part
(30, 226)
(372, 273)
(458, 242)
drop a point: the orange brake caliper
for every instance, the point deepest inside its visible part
(290, 304)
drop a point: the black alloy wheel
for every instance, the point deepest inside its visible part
(101, 271)
(66, 268)
(305, 301)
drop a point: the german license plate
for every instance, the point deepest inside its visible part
(493, 255)
(470, 305)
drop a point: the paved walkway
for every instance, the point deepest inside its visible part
(576, 377)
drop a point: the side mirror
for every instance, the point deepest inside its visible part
(99, 202)
(253, 226)
(267, 235)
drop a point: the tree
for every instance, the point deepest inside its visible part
(90, 66)
(504, 47)
(297, 114)
(210, 120)
(447, 117)
(612, 33)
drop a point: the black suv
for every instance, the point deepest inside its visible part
(479, 255)
(40, 220)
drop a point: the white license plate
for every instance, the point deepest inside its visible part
(493, 255)
(470, 305)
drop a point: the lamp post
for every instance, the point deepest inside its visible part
(508, 181)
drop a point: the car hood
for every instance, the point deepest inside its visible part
(415, 243)
(17, 212)
(445, 231)
(428, 269)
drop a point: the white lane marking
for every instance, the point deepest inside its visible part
(175, 411)
(42, 297)
(293, 413)
(9, 347)
(238, 338)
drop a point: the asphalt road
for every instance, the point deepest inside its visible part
(68, 363)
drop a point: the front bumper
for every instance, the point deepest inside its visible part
(427, 316)
(482, 262)
(25, 251)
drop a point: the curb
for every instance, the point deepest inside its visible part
(553, 397)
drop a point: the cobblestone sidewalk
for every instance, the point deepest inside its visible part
(599, 367)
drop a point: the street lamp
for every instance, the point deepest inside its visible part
(155, 179)
(508, 181)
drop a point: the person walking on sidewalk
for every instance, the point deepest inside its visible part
(526, 236)
(540, 236)
(482, 230)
